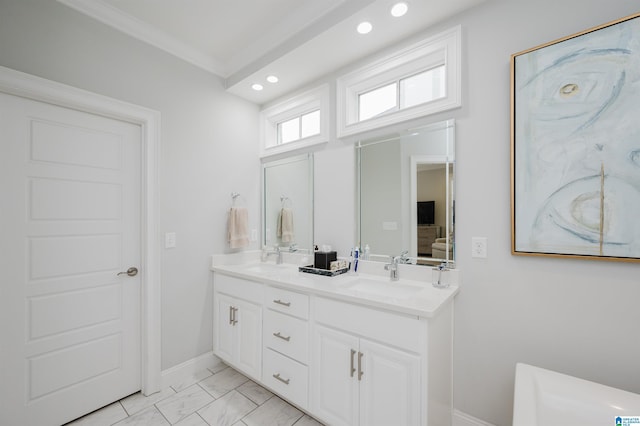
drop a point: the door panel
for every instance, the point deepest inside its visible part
(390, 386)
(249, 335)
(334, 391)
(224, 339)
(69, 325)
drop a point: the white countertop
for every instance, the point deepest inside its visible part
(404, 296)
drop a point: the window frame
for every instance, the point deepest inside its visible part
(441, 49)
(294, 107)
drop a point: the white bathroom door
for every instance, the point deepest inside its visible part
(70, 217)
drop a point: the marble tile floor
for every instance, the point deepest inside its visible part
(217, 397)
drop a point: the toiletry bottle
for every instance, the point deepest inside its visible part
(365, 253)
(356, 256)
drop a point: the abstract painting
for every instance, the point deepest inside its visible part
(575, 145)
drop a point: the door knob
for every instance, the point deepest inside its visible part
(132, 272)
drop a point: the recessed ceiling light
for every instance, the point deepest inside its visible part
(257, 87)
(272, 79)
(365, 27)
(399, 9)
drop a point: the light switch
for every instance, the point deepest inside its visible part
(389, 226)
(169, 240)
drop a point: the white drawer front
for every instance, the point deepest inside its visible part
(286, 335)
(286, 301)
(238, 287)
(286, 376)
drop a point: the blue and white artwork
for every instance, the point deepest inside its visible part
(576, 145)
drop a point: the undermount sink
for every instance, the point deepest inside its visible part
(266, 268)
(389, 289)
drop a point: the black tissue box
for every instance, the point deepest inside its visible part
(323, 259)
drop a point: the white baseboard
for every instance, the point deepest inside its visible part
(463, 419)
(180, 372)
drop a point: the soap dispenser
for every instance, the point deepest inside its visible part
(365, 253)
(437, 278)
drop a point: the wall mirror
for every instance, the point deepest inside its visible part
(287, 203)
(406, 194)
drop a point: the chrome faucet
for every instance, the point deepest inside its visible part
(393, 270)
(276, 251)
(393, 266)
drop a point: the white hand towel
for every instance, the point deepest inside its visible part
(238, 227)
(285, 225)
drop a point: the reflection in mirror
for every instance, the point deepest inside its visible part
(406, 194)
(287, 203)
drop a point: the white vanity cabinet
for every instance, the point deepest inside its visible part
(346, 359)
(367, 367)
(238, 323)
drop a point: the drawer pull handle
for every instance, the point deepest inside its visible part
(277, 377)
(280, 336)
(280, 302)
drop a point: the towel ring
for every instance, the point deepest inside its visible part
(234, 196)
(283, 201)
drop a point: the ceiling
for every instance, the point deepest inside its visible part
(244, 41)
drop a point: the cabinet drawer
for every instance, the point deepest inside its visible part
(286, 376)
(243, 289)
(286, 301)
(287, 335)
(400, 330)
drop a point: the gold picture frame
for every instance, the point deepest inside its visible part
(575, 145)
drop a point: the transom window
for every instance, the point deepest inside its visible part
(298, 122)
(300, 127)
(416, 81)
(404, 93)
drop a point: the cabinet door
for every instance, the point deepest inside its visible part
(248, 355)
(390, 386)
(224, 328)
(334, 391)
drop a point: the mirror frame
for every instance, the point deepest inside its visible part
(447, 159)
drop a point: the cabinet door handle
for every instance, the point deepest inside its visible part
(280, 336)
(231, 315)
(280, 302)
(360, 372)
(234, 310)
(277, 377)
(353, 368)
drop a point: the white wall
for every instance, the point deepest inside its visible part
(579, 317)
(208, 149)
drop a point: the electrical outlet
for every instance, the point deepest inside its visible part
(479, 247)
